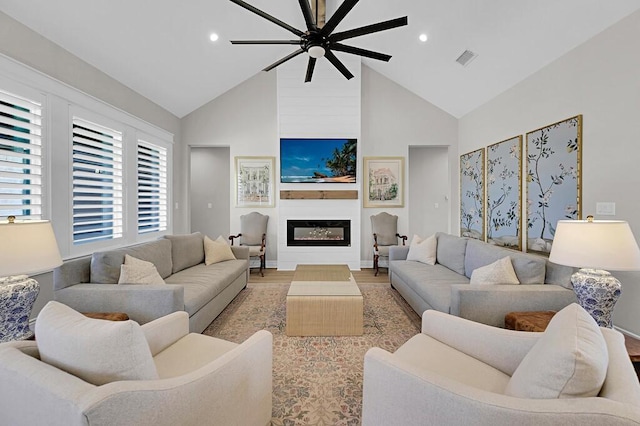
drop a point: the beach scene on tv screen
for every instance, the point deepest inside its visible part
(318, 160)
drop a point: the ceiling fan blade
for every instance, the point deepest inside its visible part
(310, 67)
(283, 60)
(339, 65)
(308, 15)
(338, 16)
(265, 41)
(362, 52)
(268, 17)
(368, 29)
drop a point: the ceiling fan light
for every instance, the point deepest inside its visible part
(316, 52)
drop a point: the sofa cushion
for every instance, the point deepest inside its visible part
(186, 250)
(568, 361)
(97, 351)
(136, 271)
(216, 251)
(423, 250)
(451, 252)
(529, 268)
(105, 265)
(499, 272)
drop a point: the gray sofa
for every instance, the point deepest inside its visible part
(445, 285)
(89, 284)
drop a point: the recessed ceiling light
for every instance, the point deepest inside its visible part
(213, 37)
(423, 37)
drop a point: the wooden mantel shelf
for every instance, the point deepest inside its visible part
(319, 195)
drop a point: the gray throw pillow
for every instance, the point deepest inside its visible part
(186, 250)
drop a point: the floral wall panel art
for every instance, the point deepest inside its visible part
(553, 180)
(504, 207)
(254, 181)
(472, 194)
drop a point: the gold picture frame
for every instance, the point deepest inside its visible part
(255, 181)
(383, 182)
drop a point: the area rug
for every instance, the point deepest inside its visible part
(317, 380)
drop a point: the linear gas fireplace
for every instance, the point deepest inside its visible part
(333, 233)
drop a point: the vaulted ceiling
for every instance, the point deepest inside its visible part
(161, 48)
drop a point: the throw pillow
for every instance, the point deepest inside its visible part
(217, 251)
(136, 271)
(499, 272)
(423, 250)
(569, 361)
(97, 351)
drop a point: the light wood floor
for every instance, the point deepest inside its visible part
(275, 276)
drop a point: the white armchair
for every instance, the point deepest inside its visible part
(202, 381)
(456, 372)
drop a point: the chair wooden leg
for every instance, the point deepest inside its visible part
(262, 264)
(375, 264)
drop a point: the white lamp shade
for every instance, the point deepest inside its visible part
(598, 244)
(27, 247)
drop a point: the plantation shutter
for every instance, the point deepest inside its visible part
(20, 157)
(97, 182)
(152, 187)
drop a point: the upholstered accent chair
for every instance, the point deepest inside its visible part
(253, 234)
(460, 372)
(385, 234)
(197, 379)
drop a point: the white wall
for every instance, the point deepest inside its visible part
(430, 192)
(209, 200)
(393, 119)
(601, 81)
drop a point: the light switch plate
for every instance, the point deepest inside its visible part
(606, 209)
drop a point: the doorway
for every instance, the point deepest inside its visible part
(210, 192)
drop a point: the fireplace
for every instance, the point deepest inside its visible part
(331, 233)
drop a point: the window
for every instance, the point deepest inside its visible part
(97, 182)
(20, 157)
(152, 187)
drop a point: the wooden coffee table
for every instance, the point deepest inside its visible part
(324, 300)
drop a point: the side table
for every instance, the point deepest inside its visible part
(538, 321)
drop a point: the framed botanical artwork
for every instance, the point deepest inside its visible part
(504, 205)
(472, 194)
(554, 157)
(383, 182)
(254, 181)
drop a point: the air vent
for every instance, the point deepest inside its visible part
(466, 57)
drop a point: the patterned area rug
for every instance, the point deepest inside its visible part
(317, 380)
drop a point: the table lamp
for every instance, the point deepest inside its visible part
(596, 245)
(26, 247)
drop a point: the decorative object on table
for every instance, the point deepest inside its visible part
(553, 180)
(504, 207)
(596, 245)
(385, 235)
(472, 213)
(27, 247)
(318, 39)
(383, 182)
(253, 234)
(254, 181)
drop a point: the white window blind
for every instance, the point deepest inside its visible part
(97, 182)
(152, 187)
(20, 157)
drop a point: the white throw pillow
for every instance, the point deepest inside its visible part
(137, 271)
(97, 351)
(499, 272)
(569, 361)
(423, 250)
(217, 251)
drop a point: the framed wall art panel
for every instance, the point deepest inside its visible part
(472, 194)
(554, 162)
(383, 182)
(504, 201)
(254, 181)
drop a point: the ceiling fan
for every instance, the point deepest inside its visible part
(319, 41)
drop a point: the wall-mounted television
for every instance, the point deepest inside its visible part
(318, 160)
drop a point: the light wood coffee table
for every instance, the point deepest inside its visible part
(324, 300)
